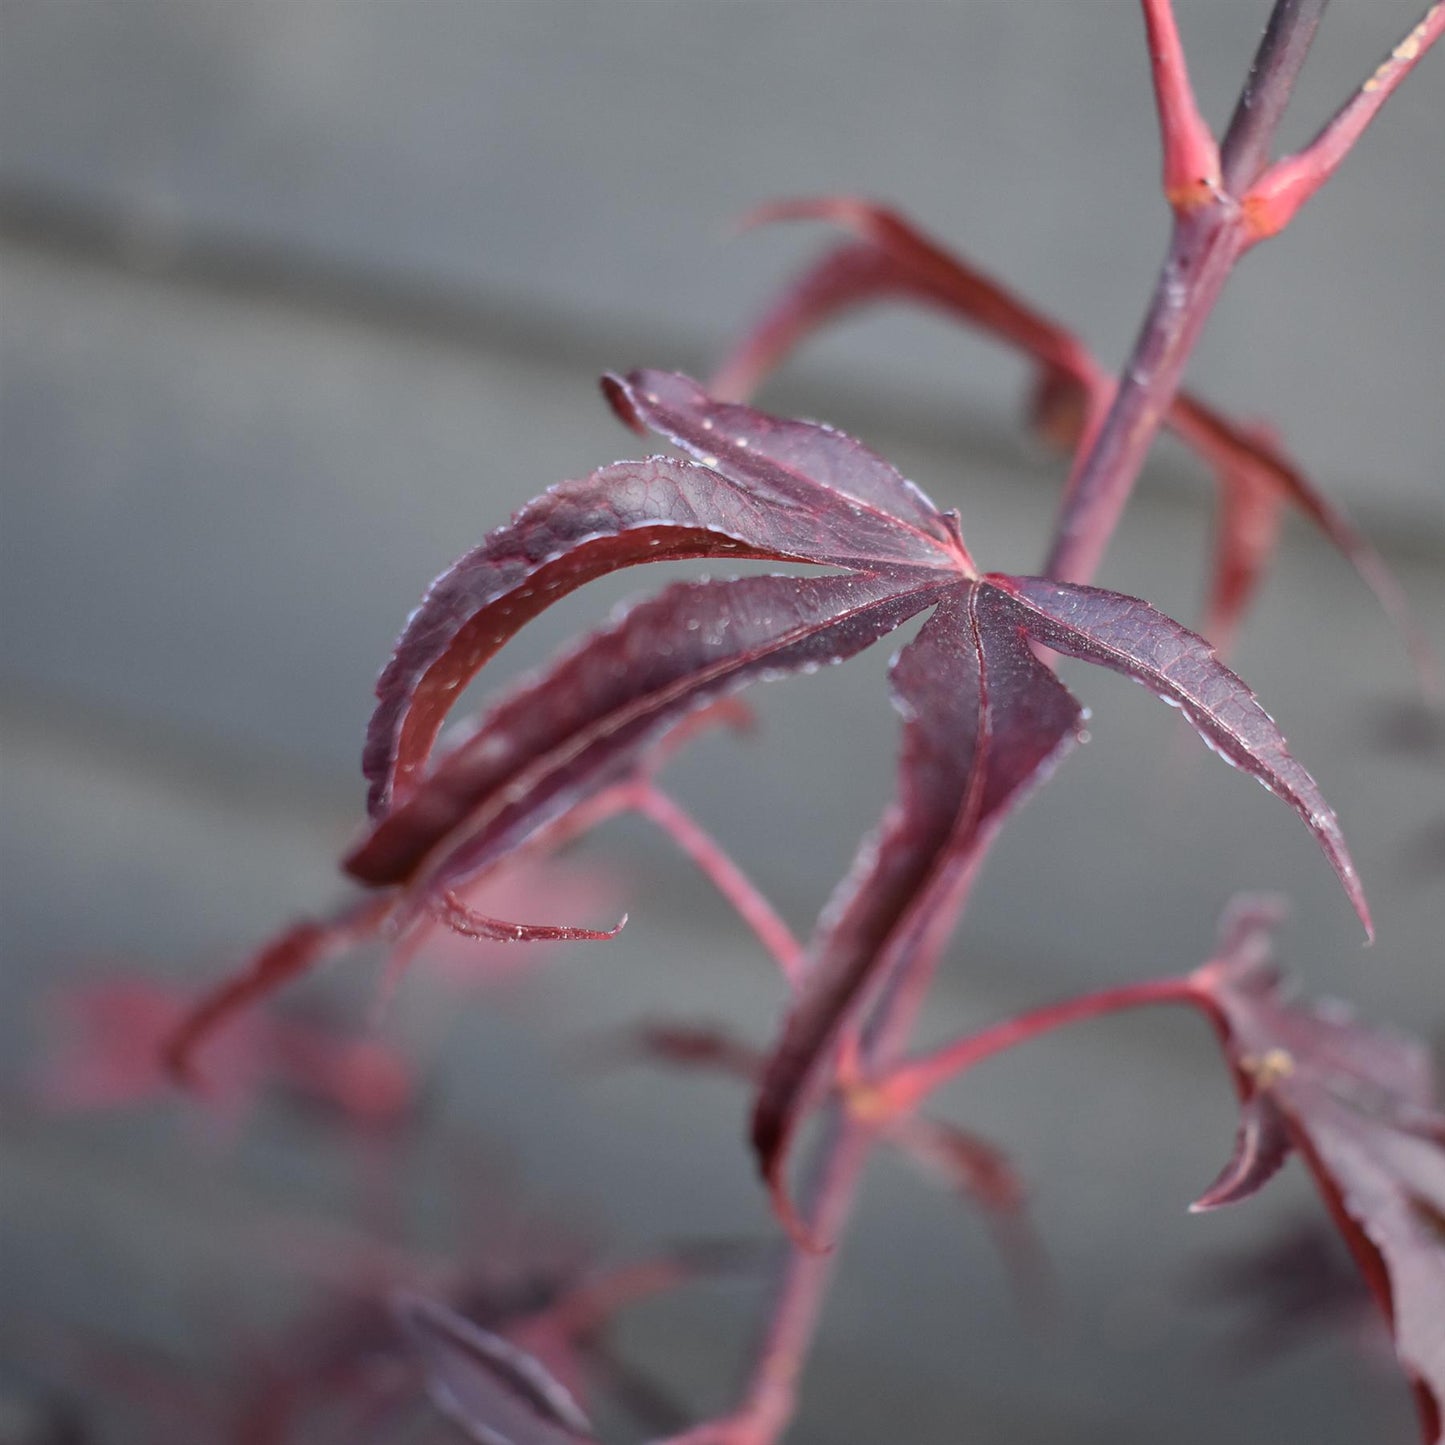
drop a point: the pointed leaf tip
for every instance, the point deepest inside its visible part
(1260, 1151)
(1178, 666)
(614, 390)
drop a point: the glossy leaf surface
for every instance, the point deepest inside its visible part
(1128, 636)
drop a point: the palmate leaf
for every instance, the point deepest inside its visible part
(984, 718)
(893, 260)
(764, 486)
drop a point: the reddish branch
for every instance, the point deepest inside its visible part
(1209, 236)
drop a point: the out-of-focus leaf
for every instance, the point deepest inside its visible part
(109, 1037)
(1359, 1106)
(1256, 480)
(491, 1390)
(894, 258)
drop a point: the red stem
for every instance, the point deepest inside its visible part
(725, 875)
(772, 1391)
(1191, 158)
(1276, 67)
(909, 1084)
(1203, 249)
(1275, 199)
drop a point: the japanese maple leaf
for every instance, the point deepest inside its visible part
(1358, 1105)
(984, 718)
(891, 259)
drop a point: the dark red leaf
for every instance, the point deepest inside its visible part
(291, 953)
(916, 266)
(1359, 1106)
(582, 724)
(889, 520)
(491, 1390)
(1179, 666)
(1388, 1185)
(1260, 1150)
(629, 513)
(1256, 478)
(983, 719)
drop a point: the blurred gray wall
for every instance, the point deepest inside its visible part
(299, 299)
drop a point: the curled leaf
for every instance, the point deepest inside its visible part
(583, 723)
(656, 510)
